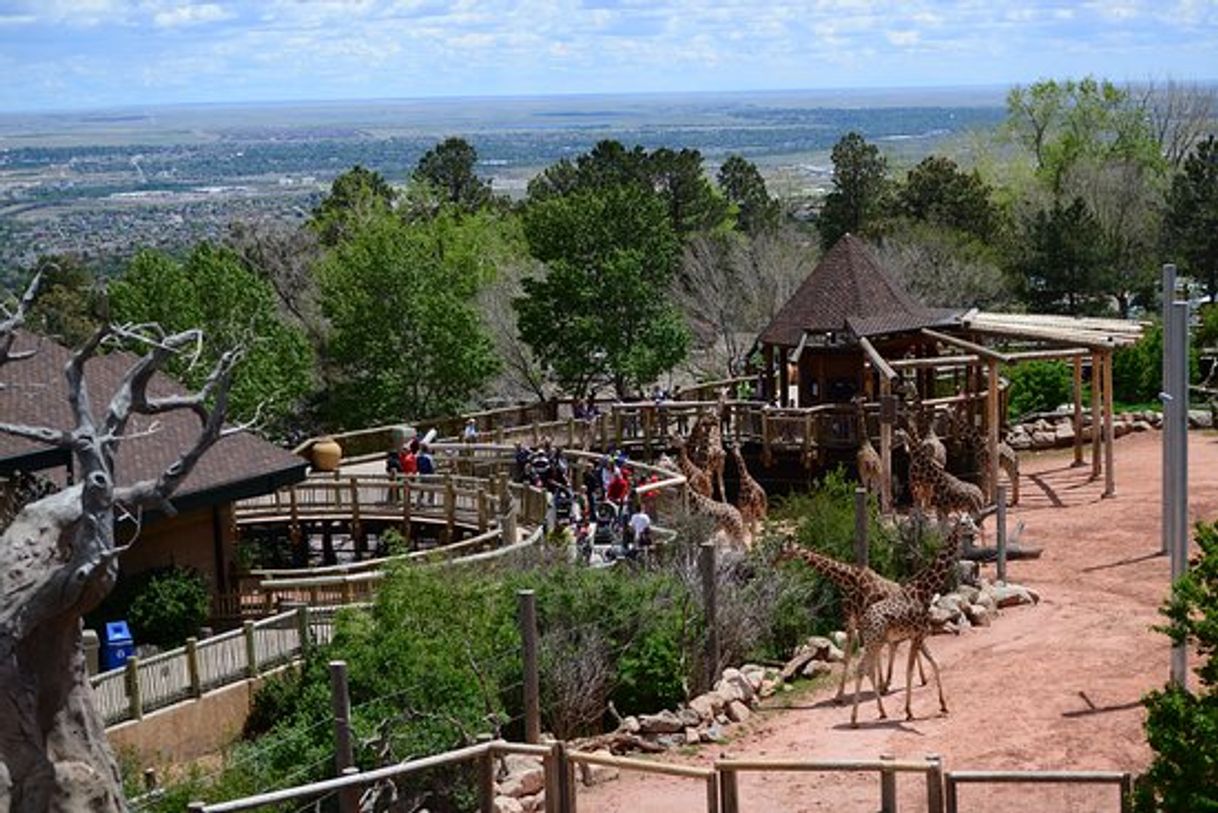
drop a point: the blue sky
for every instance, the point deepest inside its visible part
(101, 53)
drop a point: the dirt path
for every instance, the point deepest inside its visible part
(1013, 688)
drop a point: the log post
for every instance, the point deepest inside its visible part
(729, 792)
(886, 416)
(888, 786)
(934, 784)
(486, 777)
(135, 702)
(992, 421)
(1109, 434)
(357, 527)
(483, 511)
(251, 650)
(1097, 376)
(450, 508)
(532, 684)
(1078, 410)
(302, 628)
(192, 666)
(344, 752)
(1001, 521)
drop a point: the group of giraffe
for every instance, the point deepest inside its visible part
(701, 458)
(880, 612)
(932, 487)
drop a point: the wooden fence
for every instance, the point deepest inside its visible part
(145, 684)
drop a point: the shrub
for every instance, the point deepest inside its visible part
(1137, 370)
(168, 606)
(1038, 386)
(1182, 726)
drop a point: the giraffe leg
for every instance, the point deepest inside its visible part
(876, 666)
(921, 672)
(864, 662)
(892, 656)
(853, 639)
(934, 667)
(909, 665)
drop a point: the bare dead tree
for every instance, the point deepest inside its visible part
(1180, 115)
(522, 374)
(58, 559)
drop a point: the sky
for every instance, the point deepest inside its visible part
(71, 54)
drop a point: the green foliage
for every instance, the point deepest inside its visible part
(356, 197)
(1182, 725)
(1038, 386)
(938, 192)
(213, 290)
(406, 338)
(169, 607)
(449, 168)
(70, 304)
(600, 313)
(1137, 370)
(860, 189)
(745, 189)
(1060, 267)
(1192, 218)
(1207, 331)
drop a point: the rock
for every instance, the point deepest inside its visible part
(940, 617)
(795, 665)
(523, 783)
(689, 717)
(670, 740)
(631, 724)
(754, 673)
(1141, 426)
(692, 737)
(707, 705)
(1043, 440)
(738, 712)
(968, 571)
(597, 774)
(1120, 430)
(733, 678)
(985, 598)
(768, 687)
(534, 804)
(978, 615)
(1200, 419)
(1064, 433)
(1019, 439)
(712, 733)
(721, 719)
(664, 722)
(968, 592)
(815, 669)
(507, 804)
(1012, 595)
(838, 637)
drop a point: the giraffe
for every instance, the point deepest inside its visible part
(729, 524)
(935, 487)
(870, 468)
(859, 588)
(716, 455)
(919, 419)
(906, 616)
(699, 481)
(751, 497)
(976, 443)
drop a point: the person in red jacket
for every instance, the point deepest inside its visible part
(619, 487)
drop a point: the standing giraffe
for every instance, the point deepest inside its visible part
(699, 481)
(977, 444)
(751, 498)
(870, 467)
(933, 486)
(906, 617)
(729, 524)
(716, 455)
(859, 588)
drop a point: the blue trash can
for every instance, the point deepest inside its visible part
(116, 645)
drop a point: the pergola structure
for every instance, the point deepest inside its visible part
(850, 329)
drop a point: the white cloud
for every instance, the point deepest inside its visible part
(903, 38)
(190, 15)
(17, 19)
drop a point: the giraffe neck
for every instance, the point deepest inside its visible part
(838, 572)
(932, 578)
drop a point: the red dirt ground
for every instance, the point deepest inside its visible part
(1013, 688)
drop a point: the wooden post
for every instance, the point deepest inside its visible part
(952, 803)
(647, 416)
(344, 753)
(570, 432)
(885, 446)
(1078, 410)
(1127, 793)
(784, 375)
(767, 455)
(1109, 435)
(483, 511)
(251, 651)
(1001, 522)
(992, 422)
(507, 526)
(729, 792)
(888, 786)
(1097, 377)
(862, 555)
(486, 777)
(302, 628)
(712, 793)
(192, 666)
(532, 683)
(707, 564)
(564, 776)
(135, 703)
(934, 784)
(450, 508)
(617, 426)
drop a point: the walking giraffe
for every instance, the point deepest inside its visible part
(751, 497)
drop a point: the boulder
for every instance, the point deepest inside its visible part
(815, 669)
(967, 592)
(738, 682)
(1141, 426)
(940, 617)
(967, 571)
(692, 737)
(712, 733)
(534, 804)
(838, 637)
(1120, 430)
(768, 687)
(631, 724)
(508, 804)
(523, 783)
(978, 615)
(597, 774)
(738, 712)
(664, 722)
(707, 705)
(1020, 441)
(689, 717)
(1043, 440)
(796, 665)
(1064, 432)
(1012, 595)
(1200, 419)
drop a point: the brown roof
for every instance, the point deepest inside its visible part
(35, 393)
(848, 291)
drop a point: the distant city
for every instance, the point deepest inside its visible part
(104, 183)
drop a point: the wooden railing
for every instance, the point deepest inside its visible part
(145, 684)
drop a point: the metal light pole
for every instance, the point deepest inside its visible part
(1169, 296)
(1179, 556)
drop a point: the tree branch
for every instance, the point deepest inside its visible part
(11, 320)
(42, 434)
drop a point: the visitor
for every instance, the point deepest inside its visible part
(592, 486)
(619, 487)
(521, 460)
(640, 528)
(470, 433)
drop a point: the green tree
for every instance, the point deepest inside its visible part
(692, 202)
(214, 291)
(860, 186)
(1182, 725)
(449, 168)
(1192, 219)
(936, 191)
(70, 304)
(405, 336)
(1061, 262)
(600, 312)
(742, 184)
(356, 196)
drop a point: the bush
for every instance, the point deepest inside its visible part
(1137, 370)
(1038, 386)
(1182, 726)
(170, 608)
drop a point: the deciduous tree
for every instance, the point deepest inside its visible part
(356, 196)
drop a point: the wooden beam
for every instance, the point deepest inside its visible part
(1097, 379)
(1065, 338)
(1054, 353)
(1078, 410)
(965, 344)
(992, 421)
(885, 449)
(877, 360)
(937, 362)
(1109, 471)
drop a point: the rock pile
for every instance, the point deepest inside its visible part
(1055, 430)
(521, 781)
(977, 605)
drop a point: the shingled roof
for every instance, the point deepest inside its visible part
(35, 393)
(848, 292)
